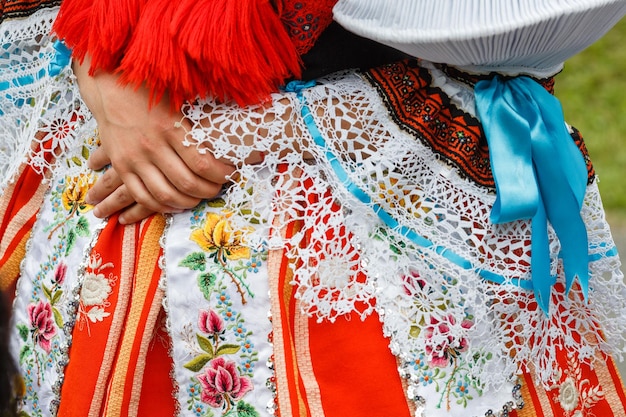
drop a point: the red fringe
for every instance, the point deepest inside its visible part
(231, 49)
(71, 25)
(100, 28)
(111, 27)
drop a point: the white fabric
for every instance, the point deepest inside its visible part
(521, 35)
(410, 285)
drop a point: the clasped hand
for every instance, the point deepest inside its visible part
(151, 170)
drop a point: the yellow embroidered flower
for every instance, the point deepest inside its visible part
(73, 196)
(217, 234)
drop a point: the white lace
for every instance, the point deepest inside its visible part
(425, 299)
(28, 93)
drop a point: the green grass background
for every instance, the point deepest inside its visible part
(592, 89)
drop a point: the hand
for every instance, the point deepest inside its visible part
(144, 146)
(119, 198)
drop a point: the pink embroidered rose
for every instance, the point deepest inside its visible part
(59, 273)
(42, 322)
(210, 322)
(444, 344)
(222, 384)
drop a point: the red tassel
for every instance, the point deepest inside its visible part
(71, 25)
(100, 28)
(112, 24)
(231, 49)
(154, 59)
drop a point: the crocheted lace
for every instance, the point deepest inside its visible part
(424, 275)
(34, 87)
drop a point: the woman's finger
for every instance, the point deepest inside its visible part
(98, 159)
(105, 185)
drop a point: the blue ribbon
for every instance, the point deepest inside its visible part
(540, 174)
(60, 60)
(540, 227)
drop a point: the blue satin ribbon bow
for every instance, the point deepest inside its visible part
(540, 174)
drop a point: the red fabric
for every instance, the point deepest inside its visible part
(233, 49)
(89, 345)
(157, 382)
(305, 20)
(355, 370)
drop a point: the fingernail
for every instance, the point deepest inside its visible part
(96, 211)
(90, 200)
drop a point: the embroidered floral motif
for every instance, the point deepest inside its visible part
(223, 244)
(94, 292)
(442, 363)
(43, 332)
(69, 204)
(218, 236)
(575, 393)
(445, 352)
(223, 354)
(222, 384)
(42, 324)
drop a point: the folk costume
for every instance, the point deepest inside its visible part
(421, 238)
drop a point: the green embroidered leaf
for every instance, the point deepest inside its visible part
(23, 414)
(77, 161)
(70, 241)
(246, 410)
(227, 349)
(46, 291)
(24, 353)
(217, 202)
(82, 227)
(197, 363)
(56, 296)
(206, 345)
(195, 261)
(23, 331)
(206, 283)
(85, 152)
(58, 319)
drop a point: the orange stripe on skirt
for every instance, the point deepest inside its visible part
(19, 206)
(127, 379)
(94, 349)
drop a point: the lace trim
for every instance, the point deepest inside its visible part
(417, 291)
(35, 87)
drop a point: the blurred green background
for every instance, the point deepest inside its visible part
(592, 89)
